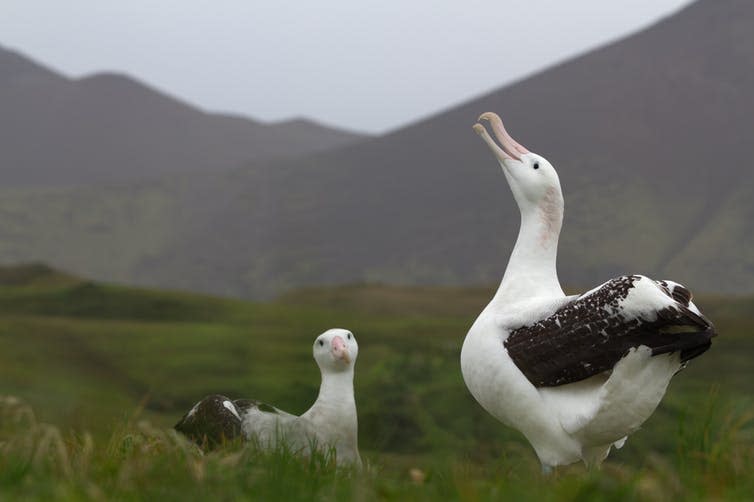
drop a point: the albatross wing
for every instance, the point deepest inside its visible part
(594, 332)
(217, 419)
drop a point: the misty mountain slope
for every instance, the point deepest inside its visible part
(108, 127)
(651, 136)
(106, 233)
(722, 252)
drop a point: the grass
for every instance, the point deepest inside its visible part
(113, 368)
(714, 460)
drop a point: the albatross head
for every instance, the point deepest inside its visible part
(533, 180)
(335, 350)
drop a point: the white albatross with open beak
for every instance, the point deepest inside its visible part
(575, 374)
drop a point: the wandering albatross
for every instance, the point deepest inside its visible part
(575, 374)
(331, 422)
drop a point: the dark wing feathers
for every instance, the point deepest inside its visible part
(244, 405)
(591, 334)
(210, 422)
(683, 330)
(216, 419)
(679, 292)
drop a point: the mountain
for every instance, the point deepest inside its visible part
(109, 127)
(650, 136)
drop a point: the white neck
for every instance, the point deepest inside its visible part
(532, 268)
(336, 391)
(335, 407)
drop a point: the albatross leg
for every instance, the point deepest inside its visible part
(547, 470)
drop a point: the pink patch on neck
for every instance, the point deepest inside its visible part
(551, 214)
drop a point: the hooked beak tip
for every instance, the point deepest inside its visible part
(508, 147)
(342, 355)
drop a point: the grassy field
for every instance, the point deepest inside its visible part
(101, 372)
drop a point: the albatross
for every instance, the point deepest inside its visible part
(330, 423)
(575, 374)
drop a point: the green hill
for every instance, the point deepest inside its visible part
(85, 354)
(91, 357)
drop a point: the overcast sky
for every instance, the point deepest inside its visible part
(366, 65)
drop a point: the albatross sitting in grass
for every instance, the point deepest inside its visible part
(575, 374)
(330, 423)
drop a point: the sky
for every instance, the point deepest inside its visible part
(369, 66)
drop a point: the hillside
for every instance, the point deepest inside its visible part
(113, 368)
(650, 135)
(85, 354)
(107, 370)
(109, 127)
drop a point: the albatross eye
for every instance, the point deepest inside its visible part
(536, 165)
(349, 336)
(321, 343)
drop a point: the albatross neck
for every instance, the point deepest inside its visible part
(333, 415)
(531, 269)
(335, 396)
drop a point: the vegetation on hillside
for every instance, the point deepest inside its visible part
(113, 368)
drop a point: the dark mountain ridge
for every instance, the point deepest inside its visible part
(109, 127)
(651, 136)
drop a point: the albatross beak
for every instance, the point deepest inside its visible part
(510, 150)
(340, 350)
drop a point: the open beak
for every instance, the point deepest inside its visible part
(340, 350)
(509, 149)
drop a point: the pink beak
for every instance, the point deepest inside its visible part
(340, 350)
(511, 149)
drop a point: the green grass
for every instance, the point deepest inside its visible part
(713, 460)
(113, 368)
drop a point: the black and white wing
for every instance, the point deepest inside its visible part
(216, 419)
(592, 333)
